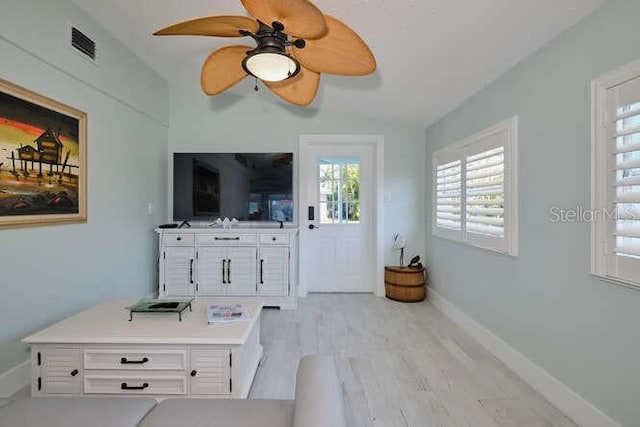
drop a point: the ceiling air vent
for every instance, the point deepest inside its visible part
(83, 44)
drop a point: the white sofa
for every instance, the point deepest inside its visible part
(319, 402)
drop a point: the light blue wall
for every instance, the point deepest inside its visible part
(42, 29)
(235, 123)
(47, 273)
(582, 330)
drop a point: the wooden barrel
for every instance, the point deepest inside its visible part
(405, 284)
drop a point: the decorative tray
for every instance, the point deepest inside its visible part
(147, 305)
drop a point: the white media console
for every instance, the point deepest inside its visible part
(209, 262)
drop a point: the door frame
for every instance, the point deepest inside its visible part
(377, 205)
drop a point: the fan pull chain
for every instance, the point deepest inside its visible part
(289, 72)
(256, 86)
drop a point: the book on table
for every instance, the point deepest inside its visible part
(217, 314)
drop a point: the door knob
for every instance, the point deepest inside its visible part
(312, 227)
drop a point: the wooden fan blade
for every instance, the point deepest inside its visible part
(223, 69)
(219, 26)
(299, 90)
(300, 17)
(341, 51)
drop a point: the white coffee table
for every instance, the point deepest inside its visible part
(100, 352)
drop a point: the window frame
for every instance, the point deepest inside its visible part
(460, 150)
(600, 252)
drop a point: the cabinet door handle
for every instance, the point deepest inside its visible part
(125, 386)
(74, 372)
(126, 361)
(224, 281)
(191, 271)
(226, 238)
(229, 271)
(261, 271)
(193, 373)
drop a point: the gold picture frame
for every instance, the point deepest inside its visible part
(43, 160)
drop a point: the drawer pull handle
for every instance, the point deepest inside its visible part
(178, 238)
(193, 373)
(274, 238)
(74, 372)
(125, 361)
(227, 238)
(224, 264)
(125, 386)
(261, 271)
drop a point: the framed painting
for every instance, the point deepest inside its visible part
(43, 160)
(206, 189)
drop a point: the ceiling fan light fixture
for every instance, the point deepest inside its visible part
(293, 39)
(271, 65)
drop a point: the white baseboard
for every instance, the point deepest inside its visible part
(15, 379)
(572, 404)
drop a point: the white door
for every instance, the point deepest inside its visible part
(241, 271)
(210, 271)
(60, 371)
(337, 217)
(210, 371)
(178, 272)
(273, 274)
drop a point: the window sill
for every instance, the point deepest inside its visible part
(615, 281)
(509, 253)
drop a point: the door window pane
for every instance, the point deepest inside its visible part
(353, 213)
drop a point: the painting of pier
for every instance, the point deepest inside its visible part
(42, 159)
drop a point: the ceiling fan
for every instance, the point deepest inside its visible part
(296, 42)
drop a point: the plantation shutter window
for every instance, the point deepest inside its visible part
(615, 170)
(475, 189)
(623, 197)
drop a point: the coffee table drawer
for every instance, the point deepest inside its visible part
(135, 359)
(135, 384)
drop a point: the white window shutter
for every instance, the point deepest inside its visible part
(447, 220)
(622, 215)
(475, 197)
(449, 195)
(485, 193)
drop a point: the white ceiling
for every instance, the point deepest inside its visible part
(431, 54)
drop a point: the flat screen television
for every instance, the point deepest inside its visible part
(245, 186)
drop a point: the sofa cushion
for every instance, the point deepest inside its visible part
(221, 413)
(75, 411)
(319, 396)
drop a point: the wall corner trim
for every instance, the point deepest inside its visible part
(15, 379)
(557, 393)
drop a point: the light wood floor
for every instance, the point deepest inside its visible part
(400, 364)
